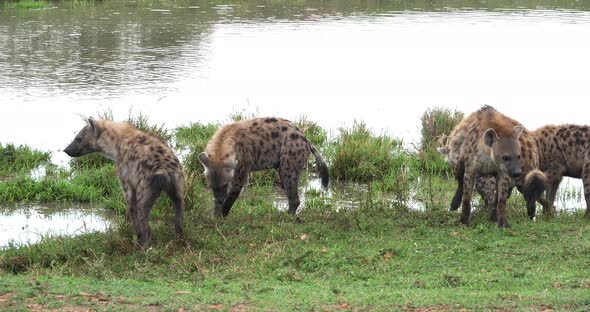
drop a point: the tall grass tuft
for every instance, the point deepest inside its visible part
(437, 123)
(314, 133)
(190, 141)
(358, 155)
(21, 159)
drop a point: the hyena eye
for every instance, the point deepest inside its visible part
(78, 140)
(518, 157)
(505, 158)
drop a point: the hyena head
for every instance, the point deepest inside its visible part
(505, 150)
(218, 176)
(86, 141)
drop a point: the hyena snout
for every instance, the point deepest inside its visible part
(73, 151)
(516, 173)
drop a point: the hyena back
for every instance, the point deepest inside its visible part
(564, 150)
(145, 168)
(489, 144)
(239, 148)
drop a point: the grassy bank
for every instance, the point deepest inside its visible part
(261, 259)
(381, 239)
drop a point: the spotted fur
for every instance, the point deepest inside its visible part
(564, 150)
(145, 167)
(239, 148)
(489, 145)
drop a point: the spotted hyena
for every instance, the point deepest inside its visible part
(489, 145)
(564, 150)
(239, 148)
(145, 166)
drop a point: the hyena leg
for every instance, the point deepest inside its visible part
(554, 176)
(237, 184)
(459, 175)
(503, 188)
(176, 195)
(131, 213)
(289, 174)
(486, 187)
(145, 202)
(586, 182)
(469, 183)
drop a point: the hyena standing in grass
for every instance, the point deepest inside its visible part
(564, 150)
(145, 166)
(239, 148)
(489, 144)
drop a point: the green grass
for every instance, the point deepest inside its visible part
(362, 247)
(21, 159)
(263, 259)
(30, 4)
(436, 124)
(359, 155)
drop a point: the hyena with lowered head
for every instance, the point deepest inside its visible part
(145, 166)
(564, 150)
(239, 148)
(489, 145)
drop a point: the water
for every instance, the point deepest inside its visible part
(28, 225)
(383, 62)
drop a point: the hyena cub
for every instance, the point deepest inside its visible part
(489, 144)
(145, 167)
(564, 150)
(262, 143)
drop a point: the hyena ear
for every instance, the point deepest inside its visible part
(490, 137)
(517, 131)
(93, 126)
(204, 159)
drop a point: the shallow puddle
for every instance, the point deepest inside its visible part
(28, 225)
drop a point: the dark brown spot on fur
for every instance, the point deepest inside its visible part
(269, 120)
(261, 142)
(255, 124)
(274, 135)
(294, 136)
(283, 128)
(142, 140)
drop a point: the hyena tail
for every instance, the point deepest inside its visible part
(160, 182)
(534, 185)
(321, 167)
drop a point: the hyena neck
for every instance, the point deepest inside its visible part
(222, 148)
(111, 137)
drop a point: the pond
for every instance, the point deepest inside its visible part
(382, 62)
(28, 225)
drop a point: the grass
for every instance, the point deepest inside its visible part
(30, 4)
(359, 155)
(262, 259)
(436, 124)
(20, 159)
(359, 247)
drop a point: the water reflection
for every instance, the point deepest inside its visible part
(27, 225)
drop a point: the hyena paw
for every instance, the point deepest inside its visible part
(502, 223)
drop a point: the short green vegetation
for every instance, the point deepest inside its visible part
(380, 239)
(30, 4)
